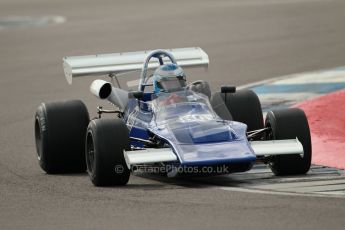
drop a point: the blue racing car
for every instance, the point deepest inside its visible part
(179, 127)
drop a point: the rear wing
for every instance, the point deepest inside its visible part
(107, 64)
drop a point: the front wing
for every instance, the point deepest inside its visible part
(260, 148)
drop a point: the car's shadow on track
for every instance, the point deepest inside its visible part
(259, 174)
(190, 181)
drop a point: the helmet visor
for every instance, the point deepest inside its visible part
(172, 83)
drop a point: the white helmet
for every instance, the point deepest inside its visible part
(168, 78)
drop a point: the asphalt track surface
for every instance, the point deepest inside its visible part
(246, 41)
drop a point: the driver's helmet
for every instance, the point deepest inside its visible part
(168, 78)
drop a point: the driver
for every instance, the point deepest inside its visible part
(169, 78)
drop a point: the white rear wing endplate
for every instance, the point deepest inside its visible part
(103, 64)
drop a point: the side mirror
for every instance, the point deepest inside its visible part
(228, 89)
(136, 94)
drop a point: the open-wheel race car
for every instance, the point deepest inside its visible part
(165, 123)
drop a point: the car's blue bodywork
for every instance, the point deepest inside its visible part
(186, 122)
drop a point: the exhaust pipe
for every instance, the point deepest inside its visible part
(104, 90)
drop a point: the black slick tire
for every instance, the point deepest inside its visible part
(106, 140)
(243, 105)
(60, 129)
(289, 124)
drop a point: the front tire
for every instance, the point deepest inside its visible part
(60, 129)
(289, 124)
(106, 139)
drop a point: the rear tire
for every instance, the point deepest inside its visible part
(105, 141)
(289, 124)
(60, 129)
(243, 105)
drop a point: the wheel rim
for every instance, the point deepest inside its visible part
(90, 154)
(38, 138)
(270, 136)
(269, 133)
